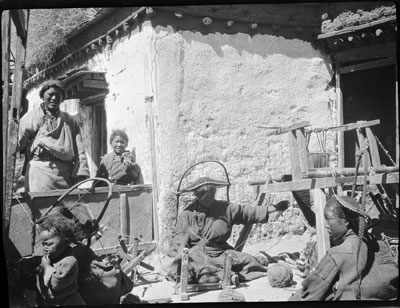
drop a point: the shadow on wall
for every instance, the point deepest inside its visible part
(259, 44)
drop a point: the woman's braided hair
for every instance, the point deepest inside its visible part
(357, 220)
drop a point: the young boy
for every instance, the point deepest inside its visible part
(57, 276)
(119, 166)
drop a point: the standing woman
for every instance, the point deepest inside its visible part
(52, 143)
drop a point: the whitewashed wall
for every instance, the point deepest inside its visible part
(211, 93)
(214, 91)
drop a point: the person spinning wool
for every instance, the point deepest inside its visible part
(205, 226)
(358, 266)
(52, 142)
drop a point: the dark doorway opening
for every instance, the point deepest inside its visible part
(370, 95)
(99, 132)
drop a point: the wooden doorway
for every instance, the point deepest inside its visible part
(99, 129)
(368, 95)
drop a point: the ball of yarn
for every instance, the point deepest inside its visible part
(280, 275)
(231, 295)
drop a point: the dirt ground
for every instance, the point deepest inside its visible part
(157, 288)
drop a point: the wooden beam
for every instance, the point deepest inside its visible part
(97, 84)
(389, 178)
(83, 191)
(351, 126)
(5, 75)
(19, 18)
(278, 14)
(322, 235)
(368, 52)
(303, 200)
(328, 172)
(294, 126)
(368, 65)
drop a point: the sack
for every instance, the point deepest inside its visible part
(381, 279)
(99, 281)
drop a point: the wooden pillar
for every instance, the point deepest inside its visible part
(294, 155)
(339, 100)
(373, 148)
(20, 18)
(226, 279)
(363, 143)
(149, 101)
(322, 235)
(124, 217)
(302, 148)
(184, 275)
(5, 64)
(397, 118)
(298, 152)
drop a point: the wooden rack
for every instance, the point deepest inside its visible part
(303, 180)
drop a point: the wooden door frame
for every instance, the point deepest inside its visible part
(341, 69)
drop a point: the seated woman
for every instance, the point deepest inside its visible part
(354, 268)
(205, 226)
(119, 166)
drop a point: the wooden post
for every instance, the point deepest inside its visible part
(339, 104)
(149, 101)
(20, 18)
(322, 235)
(226, 279)
(373, 148)
(302, 150)
(124, 217)
(5, 76)
(184, 275)
(397, 121)
(363, 144)
(294, 155)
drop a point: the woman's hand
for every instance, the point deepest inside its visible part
(279, 207)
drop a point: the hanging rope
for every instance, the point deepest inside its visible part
(321, 135)
(384, 150)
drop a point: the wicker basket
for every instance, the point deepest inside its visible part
(318, 160)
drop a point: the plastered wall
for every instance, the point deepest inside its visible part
(208, 97)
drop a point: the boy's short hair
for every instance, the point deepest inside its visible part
(118, 132)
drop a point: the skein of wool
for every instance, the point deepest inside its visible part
(231, 295)
(280, 275)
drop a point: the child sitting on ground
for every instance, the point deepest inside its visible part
(57, 276)
(119, 166)
(70, 273)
